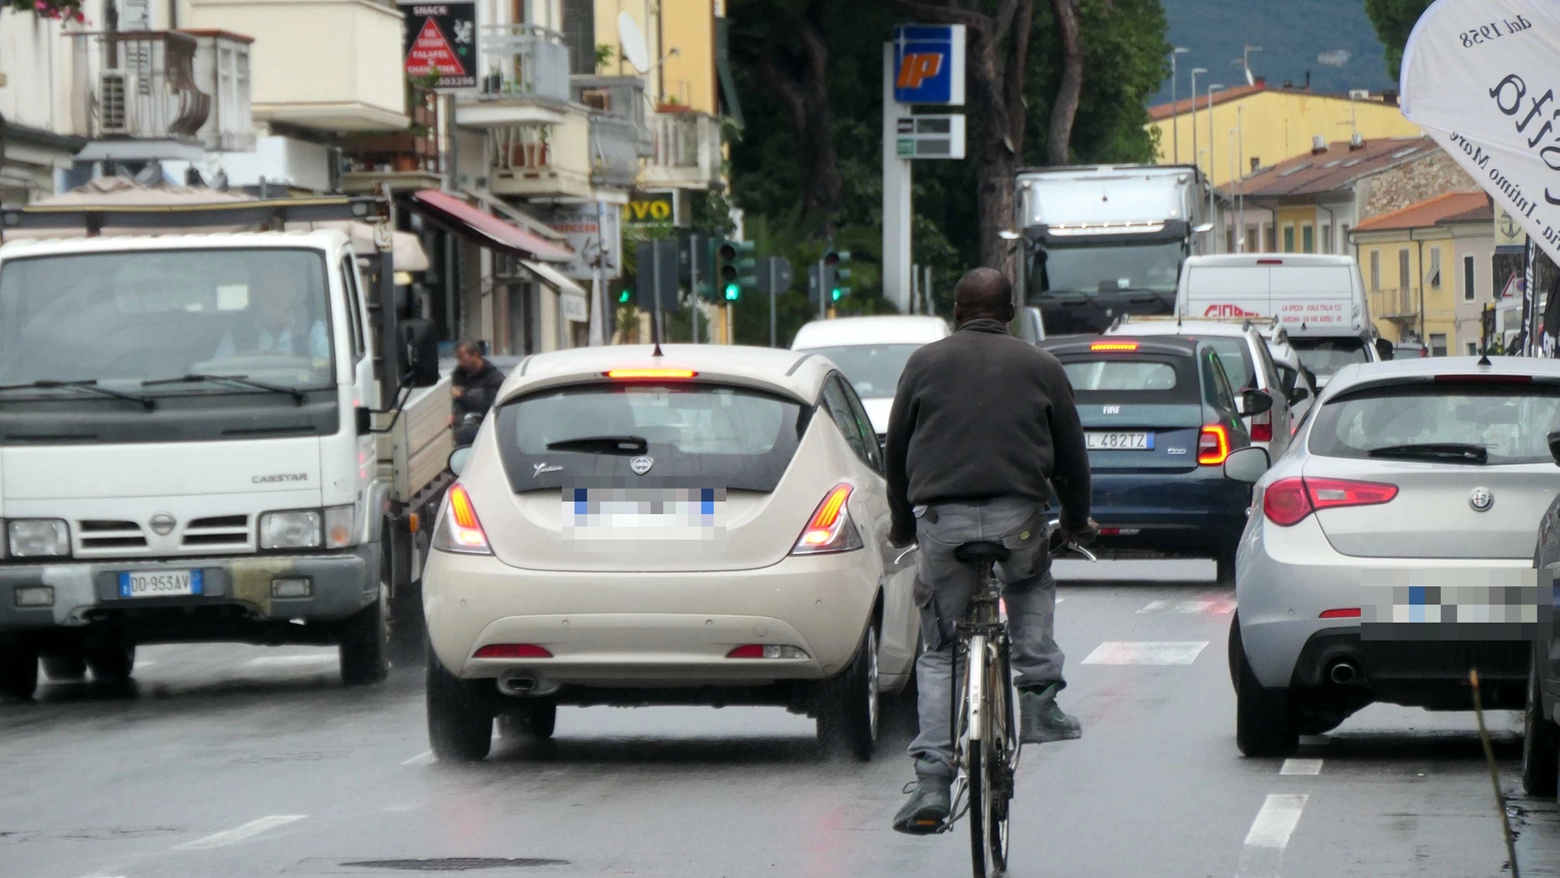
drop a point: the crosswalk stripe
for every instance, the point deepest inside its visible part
(1113, 652)
(1301, 767)
(1212, 606)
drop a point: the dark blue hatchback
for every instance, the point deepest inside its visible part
(1160, 417)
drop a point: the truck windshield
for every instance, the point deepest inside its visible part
(133, 316)
(1151, 265)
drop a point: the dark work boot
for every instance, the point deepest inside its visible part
(930, 802)
(1042, 721)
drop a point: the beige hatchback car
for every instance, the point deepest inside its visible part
(697, 525)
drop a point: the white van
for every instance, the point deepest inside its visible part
(1318, 300)
(871, 353)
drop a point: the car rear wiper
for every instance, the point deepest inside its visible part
(240, 380)
(602, 445)
(89, 386)
(1458, 451)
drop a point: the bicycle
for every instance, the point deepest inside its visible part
(985, 724)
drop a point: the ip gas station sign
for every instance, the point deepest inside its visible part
(929, 64)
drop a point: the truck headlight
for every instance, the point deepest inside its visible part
(295, 529)
(38, 538)
(338, 526)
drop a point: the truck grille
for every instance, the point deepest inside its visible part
(100, 538)
(103, 536)
(226, 530)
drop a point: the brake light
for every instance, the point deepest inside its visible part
(460, 531)
(1270, 262)
(1484, 379)
(1288, 501)
(1123, 346)
(767, 651)
(1213, 445)
(1341, 613)
(1262, 427)
(651, 374)
(512, 651)
(830, 528)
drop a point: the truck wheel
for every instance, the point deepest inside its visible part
(529, 719)
(460, 714)
(18, 670)
(111, 664)
(849, 715)
(365, 645)
(65, 668)
(1262, 723)
(1540, 741)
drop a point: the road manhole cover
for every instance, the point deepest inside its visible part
(456, 864)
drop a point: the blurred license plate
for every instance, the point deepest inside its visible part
(1116, 441)
(643, 513)
(159, 584)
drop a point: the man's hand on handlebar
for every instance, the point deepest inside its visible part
(1084, 537)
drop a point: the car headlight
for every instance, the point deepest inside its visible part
(338, 526)
(295, 529)
(38, 538)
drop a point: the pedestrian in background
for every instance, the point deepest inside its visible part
(475, 387)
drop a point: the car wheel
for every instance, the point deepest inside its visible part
(365, 645)
(460, 714)
(65, 668)
(1262, 723)
(1225, 567)
(111, 664)
(850, 712)
(18, 670)
(1540, 740)
(530, 719)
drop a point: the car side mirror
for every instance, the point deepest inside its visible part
(1554, 446)
(1254, 402)
(420, 345)
(1384, 349)
(458, 459)
(1247, 464)
(1298, 394)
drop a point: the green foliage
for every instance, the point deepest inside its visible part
(605, 53)
(1394, 21)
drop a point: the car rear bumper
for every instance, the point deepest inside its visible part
(1199, 511)
(1285, 581)
(647, 629)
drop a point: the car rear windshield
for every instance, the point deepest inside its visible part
(715, 435)
(1324, 356)
(873, 369)
(1444, 421)
(1132, 379)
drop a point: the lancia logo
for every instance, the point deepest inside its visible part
(162, 524)
(641, 465)
(1481, 499)
(537, 469)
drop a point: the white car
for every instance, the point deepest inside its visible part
(704, 526)
(871, 351)
(1293, 376)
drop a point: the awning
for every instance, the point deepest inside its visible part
(572, 298)
(518, 217)
(488, 230)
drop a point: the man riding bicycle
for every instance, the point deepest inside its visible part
(983, 425)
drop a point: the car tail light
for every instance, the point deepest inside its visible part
(830, 528)
(651, 374)
(512, 651)
(459, 530)
(1213, 445)
(1288, 501)
(1262, 427)
(1122, 346)
(767, 651)
(1341, 613)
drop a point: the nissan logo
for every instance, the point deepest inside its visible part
(162, 524)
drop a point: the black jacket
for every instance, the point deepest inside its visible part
(478, 391)
(982, 414)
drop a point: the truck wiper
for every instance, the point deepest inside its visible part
(602, 445)
(89, 386)
(1457, 451)
(240, 380)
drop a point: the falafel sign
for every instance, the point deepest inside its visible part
(1480, 76)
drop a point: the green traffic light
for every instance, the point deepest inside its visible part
(624, 296)
(733, 292)
(835, 295)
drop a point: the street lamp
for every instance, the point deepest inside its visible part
(1211, 166)
(1195, 71)
(1245, 62)
(1175, 113)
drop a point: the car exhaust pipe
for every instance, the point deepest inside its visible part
(1343, 672)
(521, 685)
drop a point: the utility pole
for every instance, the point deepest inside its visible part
(1175, 114)
(1211, 166)
(1195, 152)
(1240, 144)
(915, 289)
(693, 288)
(823, 292)
(657, 314)
(774, 293)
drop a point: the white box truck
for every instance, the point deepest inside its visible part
(1101, 242)
(229, 436)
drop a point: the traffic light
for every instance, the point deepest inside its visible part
(626, 296)
(734, 267)
(835, 272)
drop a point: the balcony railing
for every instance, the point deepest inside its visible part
(171, 85)
(685, 151)
(614, 151)
(1397, 304)
(412, 154)
(526, 80)
(621, 97)
(543, 161)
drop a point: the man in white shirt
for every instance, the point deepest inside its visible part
(276, 328)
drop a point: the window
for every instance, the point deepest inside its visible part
(1468, 289)
(1437, 344)
(1403, 275)
(1510, 422)
(1289, 239)
(579, 34)
(1435, 268)
(1120, 375)
(1327, 243)
(1217, 388)
(1308, 238)
(836, 401)
(872, 369)
(349, 288)
(1229, 239)
(864, 424)
(1343, 234)
(1272, 243)
(1375, 270)
(1471, 348)
(1253, 241)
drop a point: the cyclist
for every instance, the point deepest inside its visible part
(983, 425)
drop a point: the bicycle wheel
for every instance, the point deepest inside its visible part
(975, 769)
(1001, 756)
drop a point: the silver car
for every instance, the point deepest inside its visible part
(1391, 551)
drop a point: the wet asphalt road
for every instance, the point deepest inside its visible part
(242, 761)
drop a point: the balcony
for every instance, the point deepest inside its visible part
(685, 152)
(621, 97)
(325, 65)
(1400, 304)
(404, 160)
(527, 79)
(543, 161)
(166, 94)
(614, 151)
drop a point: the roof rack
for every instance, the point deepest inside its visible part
(272, 213)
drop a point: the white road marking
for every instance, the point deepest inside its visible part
(1263, 854)
(1128, 652)
(1301, 766)
(240, 833)
(425, 758)
(291, 661)
(1212, 606)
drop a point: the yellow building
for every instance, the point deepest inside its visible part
(1427, 270)
(1253, 126)
(680, 34)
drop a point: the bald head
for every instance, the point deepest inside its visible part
(983, 294)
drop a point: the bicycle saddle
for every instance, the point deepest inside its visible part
(981, 552)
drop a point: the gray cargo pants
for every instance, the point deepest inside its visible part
(943, 590)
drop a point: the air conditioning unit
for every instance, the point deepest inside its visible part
(116, 102)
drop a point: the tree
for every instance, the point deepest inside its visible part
(1394, 21)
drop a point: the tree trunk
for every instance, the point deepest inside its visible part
(1065, 110)
(800, 82)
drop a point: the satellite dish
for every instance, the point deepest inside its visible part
(633, 43)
